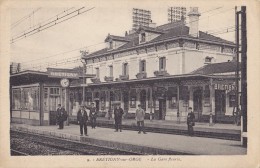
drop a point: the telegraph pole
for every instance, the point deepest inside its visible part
(244, 75)
(243, 53)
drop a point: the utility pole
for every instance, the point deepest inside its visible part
(243, 52)
(83, 53)
(244, 75)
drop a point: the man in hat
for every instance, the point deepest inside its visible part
(118, 113)
(82, 118)
(139, 116)
(61, 116)
(190, 121)
(93, 116)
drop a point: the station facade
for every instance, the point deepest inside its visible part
(165, 69)
(154, 67)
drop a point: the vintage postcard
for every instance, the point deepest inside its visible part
(129, 83)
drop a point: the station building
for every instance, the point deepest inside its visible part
(155, 67)
(166, 69)
(35, 95)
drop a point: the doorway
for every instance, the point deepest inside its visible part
(126, 100)
(197, 104)
(97, 105)
(162, 109)
(220, 104)
(143, 99)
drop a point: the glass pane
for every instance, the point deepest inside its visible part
(16, 99)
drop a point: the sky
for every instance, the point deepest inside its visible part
(91, 28)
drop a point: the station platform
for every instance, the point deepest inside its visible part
(145, 143)
(218, 130)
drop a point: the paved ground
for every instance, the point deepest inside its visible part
(179, 143)
(175, 124)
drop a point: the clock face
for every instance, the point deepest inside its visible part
(64, 82)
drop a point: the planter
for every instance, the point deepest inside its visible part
(95, 80)
(141, 75)
(108, 78)
(124, 77)
(161, 73)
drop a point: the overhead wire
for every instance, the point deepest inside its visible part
(62, 62)
(103, 42)
(13, 25)
(45, 26)
(148, 35)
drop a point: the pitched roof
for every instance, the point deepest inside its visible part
(119, 38)
(150, 29)
(223, 67)
(171, 30)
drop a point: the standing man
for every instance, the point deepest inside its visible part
(118, 113)
(190, 121)
(93, 116)
(61, 116)
(82, 118)
(139, 116)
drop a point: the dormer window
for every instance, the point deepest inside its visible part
(111, 45)
(142, 38)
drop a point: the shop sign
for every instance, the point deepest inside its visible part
(62, 73)
(224, 87)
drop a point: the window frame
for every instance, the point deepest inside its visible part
(162, 64)
(97, 72)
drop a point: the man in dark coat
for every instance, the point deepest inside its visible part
(61, 116)
(93, 116)
(82, 118)
(118, 113)
(190, 121)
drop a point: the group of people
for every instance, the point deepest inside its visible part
(139, 116)
(83, 117)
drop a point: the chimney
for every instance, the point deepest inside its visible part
(194, 21)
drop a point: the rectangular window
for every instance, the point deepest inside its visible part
(206, 96)
(162, 63)
(172, 97)
(132, 98)
(184, 95)
(111, 45)
(34, 98)
(111, 70)
(97, 72)
(29, 99)
(142, 66)
(25, 98)
(232, 100)
(54, 91)
(125, 69)
(142, 38)
(16, 99)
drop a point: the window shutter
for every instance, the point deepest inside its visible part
(127, 69)
(123, 69)
(140, 66)
(144, 66)
(160, 63)
(164, 63)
